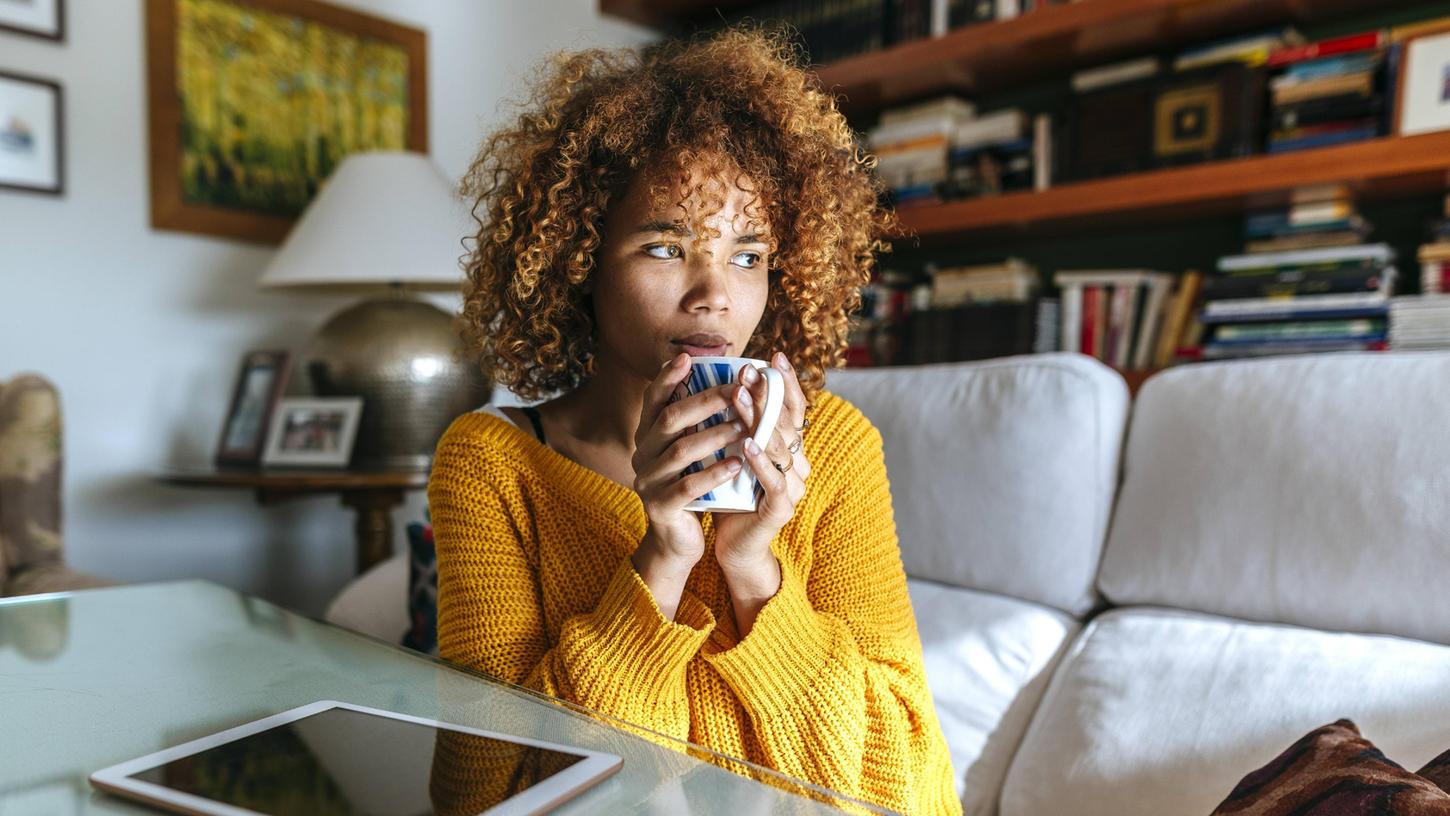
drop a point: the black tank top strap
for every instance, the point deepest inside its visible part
(533, 414)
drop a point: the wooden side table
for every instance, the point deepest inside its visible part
(372, 494)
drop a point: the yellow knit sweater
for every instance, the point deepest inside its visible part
(535, 586)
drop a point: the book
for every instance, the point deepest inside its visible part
(1376, 253)
(1217, 351)
(1307, 240)
(1251, 49)
(1071, 307)
(1042, 150)
(1361, 83)
(1363, 41)
(997, 126)
(1290, 283)
(1177, 310)
(1364, 328)
(1115, 73)
(1327, 67)
(1151, 320)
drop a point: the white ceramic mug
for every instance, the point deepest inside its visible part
(739, 495)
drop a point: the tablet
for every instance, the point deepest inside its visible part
(331, 757)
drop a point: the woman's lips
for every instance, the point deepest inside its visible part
(703, 345)
(704, 351)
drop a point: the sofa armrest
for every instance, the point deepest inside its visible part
(376, 602)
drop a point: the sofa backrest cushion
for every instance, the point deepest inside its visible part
(1002, 472)
(1311, 490)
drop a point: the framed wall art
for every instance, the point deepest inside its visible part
(252, 103)
(32, 141)
(1424, 92)
(34, 18)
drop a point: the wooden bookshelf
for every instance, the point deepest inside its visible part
(1052, 41)
(1377, 168)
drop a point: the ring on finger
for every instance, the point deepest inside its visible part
(785, 468)
(794, 446)
(805, 423)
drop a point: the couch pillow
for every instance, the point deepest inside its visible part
(1437, 770)
(422, 631)
(1333, 771)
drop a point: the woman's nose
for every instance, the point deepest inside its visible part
(708, 290)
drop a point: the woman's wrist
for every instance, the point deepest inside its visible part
(665, 574)
(751, 585)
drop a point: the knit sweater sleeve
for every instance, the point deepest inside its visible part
(831, 672)
(621, 658)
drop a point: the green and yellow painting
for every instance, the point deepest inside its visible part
(271, 103)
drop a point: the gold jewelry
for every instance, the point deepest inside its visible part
(805, 423)
(785, 467)
(795, 446)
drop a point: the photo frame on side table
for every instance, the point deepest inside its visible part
(255, 395)
(32, 143)
(1424, 92)
(313, 432)
(34, 18)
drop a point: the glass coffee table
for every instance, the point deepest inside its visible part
(92, 678)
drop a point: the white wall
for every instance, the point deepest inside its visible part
(143, 330)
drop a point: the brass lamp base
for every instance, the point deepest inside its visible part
(401, 355)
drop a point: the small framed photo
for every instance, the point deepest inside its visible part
(313, 432)
(1424, 93)
(34, 18)
(31, 142)
(258, 388)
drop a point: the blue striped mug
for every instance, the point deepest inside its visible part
(739, 495)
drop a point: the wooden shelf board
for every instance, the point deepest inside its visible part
(990, 56)
(663, 13)
(1378, 168)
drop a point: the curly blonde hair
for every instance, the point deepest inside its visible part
(736, 99)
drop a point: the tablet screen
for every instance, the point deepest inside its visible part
(341, 761)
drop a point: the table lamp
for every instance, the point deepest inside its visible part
(386, 224)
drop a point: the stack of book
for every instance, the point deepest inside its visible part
(1331, 92)
(1321, 216)
(1435, 256)
(912, 146)
(1420, 322)
(996, 153)
(974, 313)
(1116, 316)
(1314, 300)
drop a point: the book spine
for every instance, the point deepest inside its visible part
(1364, 41)
(1089, 320)
(1100, 320)
(1071, 335)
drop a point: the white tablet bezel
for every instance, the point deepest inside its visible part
(547, 794)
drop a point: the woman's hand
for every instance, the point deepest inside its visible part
(742, 540)
(664, 445)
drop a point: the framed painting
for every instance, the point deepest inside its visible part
(34, 18)
(252, 103)
(32, 144)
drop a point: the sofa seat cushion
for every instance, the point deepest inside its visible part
(988, 659)
(1162, 712)
(376, 602)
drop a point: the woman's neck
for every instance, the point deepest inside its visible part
(603, 411)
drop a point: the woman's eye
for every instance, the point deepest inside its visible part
(754, 255)
(673, 251)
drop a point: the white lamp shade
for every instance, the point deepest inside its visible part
(381, 218)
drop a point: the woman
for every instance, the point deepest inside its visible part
(697, 198)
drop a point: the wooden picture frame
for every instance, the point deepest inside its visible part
(251, 181)
(23, 114)
(46, 20)
(255, 395)
(313, 432)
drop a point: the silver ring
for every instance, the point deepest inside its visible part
(785, 467)
(795, 446)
